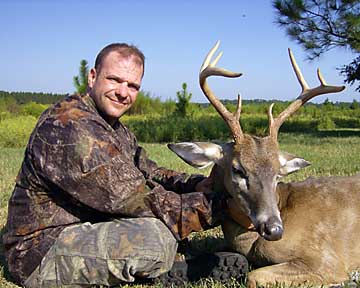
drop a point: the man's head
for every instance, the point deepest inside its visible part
(115, 80)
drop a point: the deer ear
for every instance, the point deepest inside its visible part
(197, 154)
(290, 163)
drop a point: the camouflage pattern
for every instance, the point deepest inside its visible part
(107, 253)
(76, 169)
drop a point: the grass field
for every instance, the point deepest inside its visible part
(331, 153)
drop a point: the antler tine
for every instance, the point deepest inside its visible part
(208, 69)
(305, 95)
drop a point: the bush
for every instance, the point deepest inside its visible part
(33, 109)
(15, 132)
(147, 105)
(174, 129)
(326, 123)
(347, 122)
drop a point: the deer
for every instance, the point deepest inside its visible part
(292, 233)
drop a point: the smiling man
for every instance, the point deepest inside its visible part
(88, 206)
(115, 82)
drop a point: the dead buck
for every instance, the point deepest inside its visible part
(316, 222)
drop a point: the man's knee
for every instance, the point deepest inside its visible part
(110, 252)
(143, 238)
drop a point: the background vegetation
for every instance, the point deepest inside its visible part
(155, 121)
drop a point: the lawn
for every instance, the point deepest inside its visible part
(331, 153)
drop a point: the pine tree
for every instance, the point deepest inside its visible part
(80, 82)
(321, 25)
(183, 101)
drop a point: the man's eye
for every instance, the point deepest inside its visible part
(113, 80)
(133, 88)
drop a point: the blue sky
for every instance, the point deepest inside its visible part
(42, 43)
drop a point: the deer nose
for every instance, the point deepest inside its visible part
(272, 230)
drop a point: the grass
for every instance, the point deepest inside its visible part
(330, 152)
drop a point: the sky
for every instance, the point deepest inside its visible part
(42, 43)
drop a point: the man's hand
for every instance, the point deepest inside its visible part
(205, 186)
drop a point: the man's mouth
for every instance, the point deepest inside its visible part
(116, 101)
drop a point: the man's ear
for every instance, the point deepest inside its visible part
(290, 163)
(198, 154)
(92, 77)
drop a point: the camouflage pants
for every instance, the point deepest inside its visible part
(107, 254)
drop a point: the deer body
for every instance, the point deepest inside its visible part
(320, 243)
(319, 218)
(297, 232)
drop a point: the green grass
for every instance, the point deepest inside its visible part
(330, 152)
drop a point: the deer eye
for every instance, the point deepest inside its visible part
(238, 170)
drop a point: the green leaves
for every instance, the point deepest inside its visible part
(80, 81)
(183, 101)
(321, 25)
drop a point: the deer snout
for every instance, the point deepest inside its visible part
(271, 230)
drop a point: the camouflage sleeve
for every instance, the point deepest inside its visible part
(171, 180)
(85, 163)
(98, 170)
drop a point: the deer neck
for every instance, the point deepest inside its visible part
(242, 219)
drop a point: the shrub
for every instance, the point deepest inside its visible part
(15, 132)
(326, 123)
(347, 122)
(33, 109)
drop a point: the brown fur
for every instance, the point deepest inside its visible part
(319, 217)
(321, 236)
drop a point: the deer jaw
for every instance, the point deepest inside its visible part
(250, 170)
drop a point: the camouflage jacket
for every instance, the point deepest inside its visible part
(78, 168)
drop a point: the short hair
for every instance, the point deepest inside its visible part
(124, 49)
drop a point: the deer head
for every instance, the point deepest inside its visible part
(250, 165)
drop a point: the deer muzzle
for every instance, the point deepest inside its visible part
(271, 230)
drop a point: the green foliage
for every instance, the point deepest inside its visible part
(182, 106)
(25, 97)
(10, 162)
(204, 127)
(154, 121)
(354, 105)
(174, 128)
(80, 81)
(319, 26)
(343, 122)
(15, 132)
(8, 104)
(351, 72)
(146, 105)
(326, 123)
(33, 109)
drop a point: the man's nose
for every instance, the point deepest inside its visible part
(122, 90)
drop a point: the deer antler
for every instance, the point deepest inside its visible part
(305, 95)
(208, 69)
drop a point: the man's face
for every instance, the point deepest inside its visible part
(114, 88)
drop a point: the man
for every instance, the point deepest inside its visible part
(88, 206)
